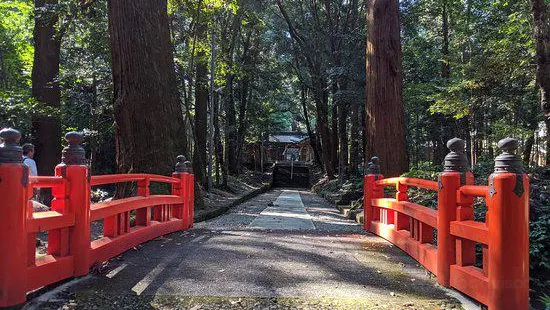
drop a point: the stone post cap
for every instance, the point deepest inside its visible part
(74, 153)
(456, 160)
(10, 151)
(188, 167)
(181, 165)
(373, 167)
(508, 161)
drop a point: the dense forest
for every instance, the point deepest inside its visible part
(147, 80)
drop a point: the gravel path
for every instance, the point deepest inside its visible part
(257, 257)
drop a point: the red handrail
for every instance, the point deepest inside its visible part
(474, 190)
(70, 249)
(504, 237)
(420, 183)
(123, 178)
(46, 182)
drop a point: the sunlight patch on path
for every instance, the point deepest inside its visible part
(287, 213)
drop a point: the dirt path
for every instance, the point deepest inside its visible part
(281, 250)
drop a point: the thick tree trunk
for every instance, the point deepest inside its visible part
(46, 130)
(527, 150)
(541, 16)
(312, 136)
(385, 119)
(150, 129)
(220, 162)
(230, 128)
(241, 130)
(334, 134)
(322, 122)
(201, 112)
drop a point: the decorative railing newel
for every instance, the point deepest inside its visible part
(508, 225)
(371, 191)
(14, 192)
(455, 174)
(180, 189)
(77, 197)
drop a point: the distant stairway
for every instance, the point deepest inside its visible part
(291, 174)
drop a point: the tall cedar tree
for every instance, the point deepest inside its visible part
(201, 110)
(385, 112)
(319, 87)
(46, 130)
(541, 14)
(150, 130)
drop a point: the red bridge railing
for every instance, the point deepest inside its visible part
(502, 282)
(71, 251)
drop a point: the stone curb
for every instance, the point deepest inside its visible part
(210, 214)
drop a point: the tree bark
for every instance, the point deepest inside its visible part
(319, 87)
(527, 150)
(220, 158)
(46, 130)
(343, 137)
(541, 16)
(385, 119)
(355, 137)
(150, 129)
(312, 137)
(201, 111)
(334, 136)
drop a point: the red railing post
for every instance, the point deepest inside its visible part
(508, 224)
(401, 221)
(74, 169)
(190, 195)
(14, 178)
(455, 174)
(179, 189)
(143, 216)
(371, 191)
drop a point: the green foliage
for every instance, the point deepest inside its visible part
(545, 299)
(16, 58)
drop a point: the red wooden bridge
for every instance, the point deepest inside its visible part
(71, 252)
(501, 282)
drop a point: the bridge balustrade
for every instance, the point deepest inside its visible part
(71, 251)
(502, 280)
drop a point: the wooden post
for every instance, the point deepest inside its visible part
(455, 174)
(180, 211)
(14, 180)
(73, 167)
(190, 194)
(371, 191)
(508, 204)
(401, 220)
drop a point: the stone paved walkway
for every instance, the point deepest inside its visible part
(282, 250)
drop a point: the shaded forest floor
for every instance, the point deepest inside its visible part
(239, 189)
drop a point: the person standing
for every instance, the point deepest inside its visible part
(28, 155)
